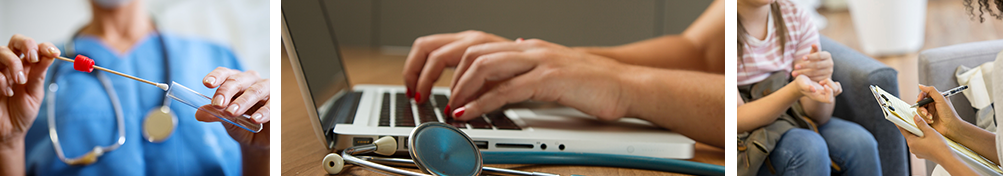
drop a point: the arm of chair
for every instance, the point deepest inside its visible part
(856, 72)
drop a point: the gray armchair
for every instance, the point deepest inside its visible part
(856, 72)
(937, 66)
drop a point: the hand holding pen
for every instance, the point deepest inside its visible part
(940, 114)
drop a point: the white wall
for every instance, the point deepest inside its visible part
(239, 24)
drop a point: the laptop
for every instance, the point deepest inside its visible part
(345, 115)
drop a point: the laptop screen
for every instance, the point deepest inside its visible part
(316, 49)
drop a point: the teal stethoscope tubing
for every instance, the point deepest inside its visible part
(608, 160)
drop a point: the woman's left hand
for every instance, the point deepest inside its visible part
(494, 74)
(240, 93)
(931, 146)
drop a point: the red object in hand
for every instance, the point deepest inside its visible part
(83, 63)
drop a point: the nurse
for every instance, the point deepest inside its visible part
(122, 36)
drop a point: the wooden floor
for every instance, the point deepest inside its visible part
(947, 23)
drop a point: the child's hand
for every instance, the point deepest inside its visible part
(836, 87)
(817, 65)
(814, 90)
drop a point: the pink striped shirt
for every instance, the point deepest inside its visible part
(762, 57)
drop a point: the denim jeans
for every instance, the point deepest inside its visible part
(804, 152)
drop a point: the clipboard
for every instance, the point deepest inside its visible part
(901, 114)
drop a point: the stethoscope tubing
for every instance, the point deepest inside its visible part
(607, 160)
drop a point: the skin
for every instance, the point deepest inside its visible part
(669, 80)
(119, 28)
(816, 67)
(943, 122)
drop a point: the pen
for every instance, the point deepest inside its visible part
(946, 94)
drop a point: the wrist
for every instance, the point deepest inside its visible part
(629, 83)
(255, 160)
(12, 156)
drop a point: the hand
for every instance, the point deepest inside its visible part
(241, 93)
(431, 54)
(494, 74)
(815, 91)
(931, 146)
(817, 65)
(23, 64)
(940, 114)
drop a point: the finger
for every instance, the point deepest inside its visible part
(419, 53)
(217, 76)
(230, 87)
(932, 93)
(923, 126)
(814, 48)
(36, 74)
(204, 116)
(262, 114)
(252, 95)
(5, 88)
(819, 56)
(475, 52)
(448, 54)
(15, 69)
(517, 89)
(491, 67)
(24, 47)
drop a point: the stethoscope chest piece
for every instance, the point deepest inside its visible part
(440, 149)
(159, 124)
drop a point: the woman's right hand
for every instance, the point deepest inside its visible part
(23, 64)
(940, 114)
(431, 54)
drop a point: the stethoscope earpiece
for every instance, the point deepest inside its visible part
(333, 163)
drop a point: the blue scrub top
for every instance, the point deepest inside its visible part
(85, 117)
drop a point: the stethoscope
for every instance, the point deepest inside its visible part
(441, 149)
(158, 125)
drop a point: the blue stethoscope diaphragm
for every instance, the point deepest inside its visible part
(441, 149)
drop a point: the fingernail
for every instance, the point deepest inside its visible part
(210, 80)
(417, 97)
(217, 101)
(54, 51)
(232, 109)
(518, 40)
(10, 92)
(257, 117)
(409, 92)
(34, 56)
(459, 112)
(20, 78)
(447, 110)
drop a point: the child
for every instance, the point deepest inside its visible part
(787, 97)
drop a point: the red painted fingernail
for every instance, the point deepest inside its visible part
(459, 112)
(409, 92)
(447, 110)
(417, 97)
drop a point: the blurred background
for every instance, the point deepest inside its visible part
(389, 25)
(241, 25)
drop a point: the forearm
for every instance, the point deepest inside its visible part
(12, 157)
(688, 102)
(255, 160)
(765, 110)
(818, 111)
(954, 165)
(978, 140)
(669, 52)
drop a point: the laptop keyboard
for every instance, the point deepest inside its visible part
(403, 115)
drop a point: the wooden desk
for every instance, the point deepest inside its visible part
(302, 152)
